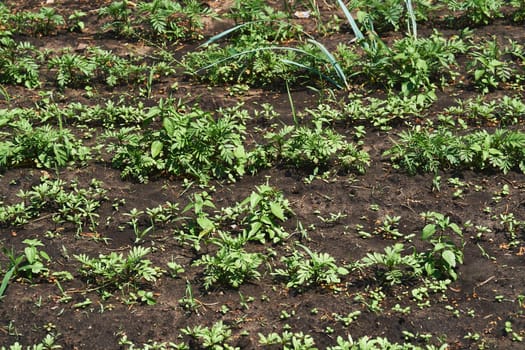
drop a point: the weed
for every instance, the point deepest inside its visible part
(231, 265)
(261, 211)
(488, 66)
(288, 340)
(18, 64)
(30, 264)
(315, 269)
(214, 337)
(445, 254)
(421, 150)
(115, 272)
(173, 20)
(119, 14)
(392, 267)
(477, 12)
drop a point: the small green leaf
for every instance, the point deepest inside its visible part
(277, 210)
(449, 257)
(156, 148)
(428, 231)
(205, 224)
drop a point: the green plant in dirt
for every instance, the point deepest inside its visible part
(383, 113)
(314, 148)
(71, 69)
(150, 345)
(134, 217)
(119, 14)
(114, 271)
(79, 205)
(429, 151)
(191, 143)
(202, 225)
(446, 252)
(490, 67)
(515, 336)
(104, 64)
(254, 58)
(386, 15)
(257, 20)
(264, 64)
(288, 341)
(392, 267)
(511, 227)
(215, 337)
(231, 265)
(388, 227)
(413, 65)
(42, 146)
(502, 111)
(477, 12)
(368, 343)
(47, 343)
(188, 302)
(75, 21)
(163, 213)
(17, 63)
(519, 12)
(75, 205)
(46, 21)
(258, 215)
(174, 20)
(314, 269)
(130, 153)
(28, 265)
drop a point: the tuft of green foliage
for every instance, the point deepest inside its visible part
(115, 271)
(41, 146)
(18, 63)
(313, 269)
(312, 148)
(231, 265)
(421, 150)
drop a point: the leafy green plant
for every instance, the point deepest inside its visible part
(391, 266)
(288, 340)
(422, 150)
(501, 111)
(71, 69)
(75, 21)
(256, 20)
(46, 21)
(41, 146)
(477, 12)
(74, 204)
(214, 337)
(519, 12)
(386, 15)
(174, 20)
(28, 265)
(18, 64)
(446, 253)
(413, 65)
(119, 14)
(191, 143)
(115, 272)
(489, 66)
(231, 265)
(314, 269)
(47, 343)
(258, 215)
(314, 148)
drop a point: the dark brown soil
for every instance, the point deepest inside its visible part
(486, 295)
